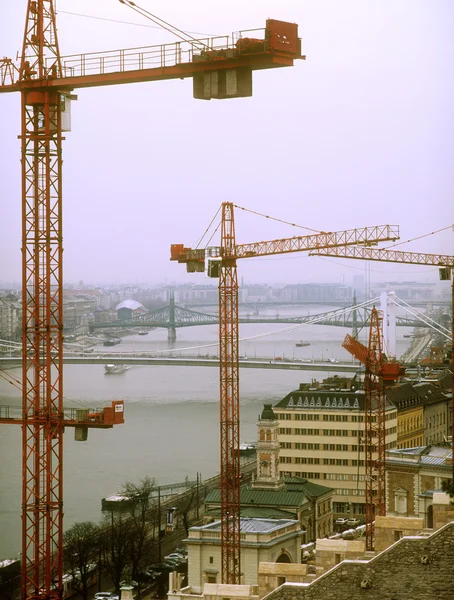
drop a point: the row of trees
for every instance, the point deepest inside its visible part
(125, 543)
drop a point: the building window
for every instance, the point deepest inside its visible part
(211, 560)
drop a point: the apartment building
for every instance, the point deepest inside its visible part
(321, 436)
(10, 318)
(423, 413)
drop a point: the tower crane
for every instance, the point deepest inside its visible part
(222, 263)
(220, 68)
(378, 371)
(446, 266)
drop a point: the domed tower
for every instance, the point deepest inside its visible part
(268, 451)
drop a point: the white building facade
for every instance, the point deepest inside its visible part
(321, 435)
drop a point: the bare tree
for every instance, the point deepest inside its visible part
(184, 506)
(81, 555)
(141, 515)
(115, 546)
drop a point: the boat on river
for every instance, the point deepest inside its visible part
(115, 369)
(112, 341)
(301, 344)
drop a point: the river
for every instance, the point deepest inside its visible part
(171, 428)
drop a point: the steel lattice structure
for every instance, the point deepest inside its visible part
(375, 432)
(229, 401)
(42, 398)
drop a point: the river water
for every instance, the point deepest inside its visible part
(171, 428)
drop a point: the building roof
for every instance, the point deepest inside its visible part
(296, 493)
(421, 456)
(131, 304)
(317, 399)
(251, 525)
(267, 413)
(410, 395)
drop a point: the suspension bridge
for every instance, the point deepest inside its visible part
(173, 317)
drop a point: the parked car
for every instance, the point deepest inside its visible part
(341, 521)
(353, 522)
(175, 556)
(106, 596)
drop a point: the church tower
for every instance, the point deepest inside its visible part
(268, 477)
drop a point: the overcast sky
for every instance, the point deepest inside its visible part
(359, 134)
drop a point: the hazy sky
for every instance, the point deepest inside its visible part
(361, 133)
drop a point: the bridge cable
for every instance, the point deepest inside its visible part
(425, 319)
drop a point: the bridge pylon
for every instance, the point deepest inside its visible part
(354, 318)
(171, 330)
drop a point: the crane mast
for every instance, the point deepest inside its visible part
(229, 402)
(374, 429)
(42, 343)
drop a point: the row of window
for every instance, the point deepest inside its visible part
(433, 422)
(332, 447)
(301, 416)
(349, 507)
(332, 462)
(329, 432)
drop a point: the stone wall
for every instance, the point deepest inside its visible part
(389, 530)
(329, 553)
(271, 575)
(443, 510)
(414, 568)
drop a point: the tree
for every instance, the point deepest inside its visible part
(141, 512)
(81, 554)
(115, 546)
(184, 506)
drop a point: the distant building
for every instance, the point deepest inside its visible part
(129, 309)
(423, 411)
(408, 290)
(76, 309)
(316, 292)
(10, 318)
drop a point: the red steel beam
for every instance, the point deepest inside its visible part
(229, 402)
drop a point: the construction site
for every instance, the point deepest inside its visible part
(356, 504)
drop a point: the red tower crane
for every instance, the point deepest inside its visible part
(221, 68)
(446, 265)
(378, 372)
(223, 264)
